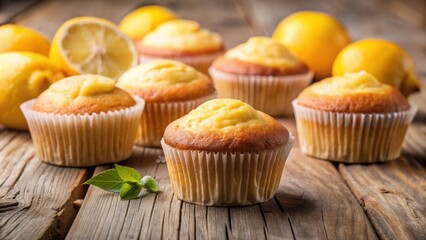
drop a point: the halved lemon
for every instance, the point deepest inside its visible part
(92, 45)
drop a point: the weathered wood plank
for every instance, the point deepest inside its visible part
(47, 16)
(419, 99)
(317, 201)
(152, 216)
(393, 195)
(415, 140)
(39, 196)
(9, 9)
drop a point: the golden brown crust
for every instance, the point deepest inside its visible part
(270, 136)
(236, 66)
(52, 102)
(171, 53)
(193, 90)
(390, 101)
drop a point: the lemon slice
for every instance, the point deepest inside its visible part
(92, 45)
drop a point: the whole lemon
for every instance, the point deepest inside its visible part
(17, 38)
(388, 62)
(315, 38)
(24, 75)
(143, 20)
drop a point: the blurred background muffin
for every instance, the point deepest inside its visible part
(263, 73)
(352, 118)
(170, 89)
(184, 41)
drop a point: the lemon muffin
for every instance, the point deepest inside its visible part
(352, 118)
(170, 89)
(182, 40)
(263, 73)
(83, 121)
(226, 153)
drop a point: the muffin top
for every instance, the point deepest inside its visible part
(353, 93)
(180, 37)
(83, 94)
(223, 125)
(164, 80)
(260, 56)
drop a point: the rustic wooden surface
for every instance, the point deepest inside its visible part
(316, 199)
(393, 196)
(39, 197)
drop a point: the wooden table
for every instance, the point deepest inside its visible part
(316, 199)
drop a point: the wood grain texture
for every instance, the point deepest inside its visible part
(419, 99)
(393, 195)
(37, 198)
(47, 16)
(9, 9)
(415, 140)
(317, 201)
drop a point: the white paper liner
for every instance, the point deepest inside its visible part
(157, 116)
(270, 94)
(199, 62)
(83, 140)
(228, 178)
(352, 137)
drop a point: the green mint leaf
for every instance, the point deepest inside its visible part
(128, 174)
(108, 180)
(130, 191)
(149, 184)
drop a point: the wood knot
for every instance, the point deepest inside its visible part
(8, 204)
(385, 190)
(406, 200)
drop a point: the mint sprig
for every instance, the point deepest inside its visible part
(125, 180)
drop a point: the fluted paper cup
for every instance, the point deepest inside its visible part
(157, 116)
(199, 62)
(270, 94)
(352, 137)
(83, 140)
(225, 178)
